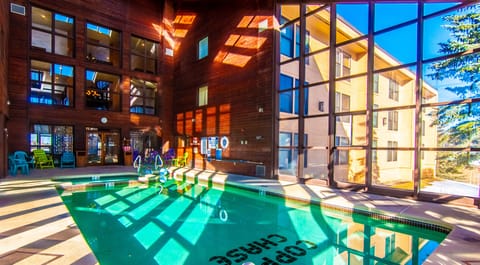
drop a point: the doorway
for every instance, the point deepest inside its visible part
(103, 147)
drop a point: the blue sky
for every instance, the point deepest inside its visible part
(401, 43)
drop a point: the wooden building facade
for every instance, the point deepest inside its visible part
(107, 78)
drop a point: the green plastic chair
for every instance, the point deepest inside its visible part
(42, 160)
(180, 161)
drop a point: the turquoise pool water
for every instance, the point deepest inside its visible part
(180, 223)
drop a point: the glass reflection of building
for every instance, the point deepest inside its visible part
(385, 123)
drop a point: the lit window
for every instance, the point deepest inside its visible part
(52, 139)
(51, 84)
(102, 91)
(203, 48)
(103, 45)
(143, 55)
(203, 96)
(142, 97)
(52, 32)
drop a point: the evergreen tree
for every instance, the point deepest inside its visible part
(459, 125)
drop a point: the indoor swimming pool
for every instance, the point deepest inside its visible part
(183, 223)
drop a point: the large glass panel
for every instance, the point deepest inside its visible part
(451, 32)
(288, 147)
(452, 79)
(51, 84)
(393, 168)
(351, 59)
(143, 55)
(317, 99)
(391, 14)
(290, 69)
(430, 8)
(352, 128)
(389, 53)
(352, 21)
(317, 130)
(316, 140)
(451, 172)
(289, 13)
(41, 29)
(142, 97)
(103, 45)
(317, 164)
(318, 31)
(102, 91)
(451, 126)
(349, 164)
(317, 67)
(395, 125)
(395, 88)
(351, 94)
(52, 30)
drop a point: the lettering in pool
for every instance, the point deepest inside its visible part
(285, 252)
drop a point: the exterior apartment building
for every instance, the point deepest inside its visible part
(276, 89)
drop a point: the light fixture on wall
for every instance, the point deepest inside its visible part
(103, 120)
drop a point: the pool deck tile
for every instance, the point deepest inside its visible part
(36, 228)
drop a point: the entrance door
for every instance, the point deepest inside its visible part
(103, 147)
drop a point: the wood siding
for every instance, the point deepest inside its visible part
(239, 74)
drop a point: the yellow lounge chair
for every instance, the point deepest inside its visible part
(180, 161)
(42, 160)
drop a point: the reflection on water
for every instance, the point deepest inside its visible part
(182, 223)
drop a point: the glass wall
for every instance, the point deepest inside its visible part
(392, 105)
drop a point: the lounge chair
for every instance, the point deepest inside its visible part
(180, 161)
(67, 159)
(42, 160)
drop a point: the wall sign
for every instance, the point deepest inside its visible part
(224, 142)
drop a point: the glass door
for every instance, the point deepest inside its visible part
(103, 147)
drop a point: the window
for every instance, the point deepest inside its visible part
(102, 91)
(374, 151)
(52, 32)
(143, 55)
(290, 99)
(392, 153)
(393, 120)
(203, 48)
(51, 84)
(392, 89)
(142, 97)
(343, 63)
(103, 45)
(286, 40)
(342, 104)
(341, 156)
(375, 116)
(203, 96)
(52, 139)
(375, 83)
(288, 47)
(287, 156)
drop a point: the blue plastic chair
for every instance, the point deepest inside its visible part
(24, 156)
(17, 163)
(67, 159)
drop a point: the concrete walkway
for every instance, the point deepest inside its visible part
(36, 228)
